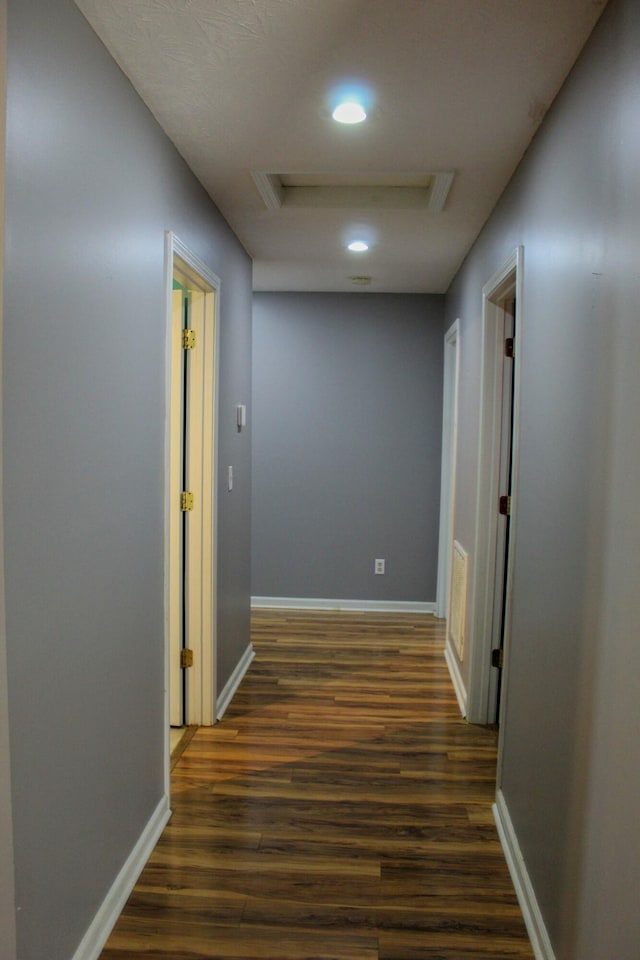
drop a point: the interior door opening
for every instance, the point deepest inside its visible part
(191, 484)
(505, 485)
(448, 466)
(496, 493)
(180, 465)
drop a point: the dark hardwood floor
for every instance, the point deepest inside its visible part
(340, 811)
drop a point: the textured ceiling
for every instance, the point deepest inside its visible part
(243, 87)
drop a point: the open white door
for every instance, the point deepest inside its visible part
(497, 479)
(448, 468)
(190, 508)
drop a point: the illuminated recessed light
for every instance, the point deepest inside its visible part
(350, 111)
(358, 246)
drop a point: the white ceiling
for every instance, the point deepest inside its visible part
(244, 87)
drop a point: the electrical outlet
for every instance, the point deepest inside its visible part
(378, 566)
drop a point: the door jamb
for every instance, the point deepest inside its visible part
(202, 681)
(506, 281)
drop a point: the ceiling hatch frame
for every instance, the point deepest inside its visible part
(365, 191)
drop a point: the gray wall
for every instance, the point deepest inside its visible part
(347, 411)
(91, 187)
(7, 886)
(572, 719)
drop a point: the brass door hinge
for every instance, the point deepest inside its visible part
(188, 339)
(186, 658)
(509, 348)
(186, 501)
(504, 506)
(497, 658)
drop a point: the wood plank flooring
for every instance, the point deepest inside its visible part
(340, 811)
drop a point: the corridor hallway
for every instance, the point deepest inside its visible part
(341, 810)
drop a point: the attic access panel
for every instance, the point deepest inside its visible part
(368, 191)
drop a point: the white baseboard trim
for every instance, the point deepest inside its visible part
(380, 606)
(234, 681)
(105, 919)
(524, 889)
(456, 679)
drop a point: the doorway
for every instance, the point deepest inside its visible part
(505, 486)
(448, 468)
(446, 548)
(190, 542)
(496, 488)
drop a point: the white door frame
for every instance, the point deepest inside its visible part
(448, 467)
(506, 282)
(202, 555)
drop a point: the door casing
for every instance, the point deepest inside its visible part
(204, 289)
(505, 283)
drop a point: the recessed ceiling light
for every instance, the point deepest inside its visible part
(349, 111)
(358, 246)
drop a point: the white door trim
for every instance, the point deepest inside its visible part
(505, 282)
(201, 678)
(448, 467)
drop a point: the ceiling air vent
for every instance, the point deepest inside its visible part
(364, 191)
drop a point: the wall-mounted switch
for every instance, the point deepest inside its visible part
(230, 478)
(378, 566)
